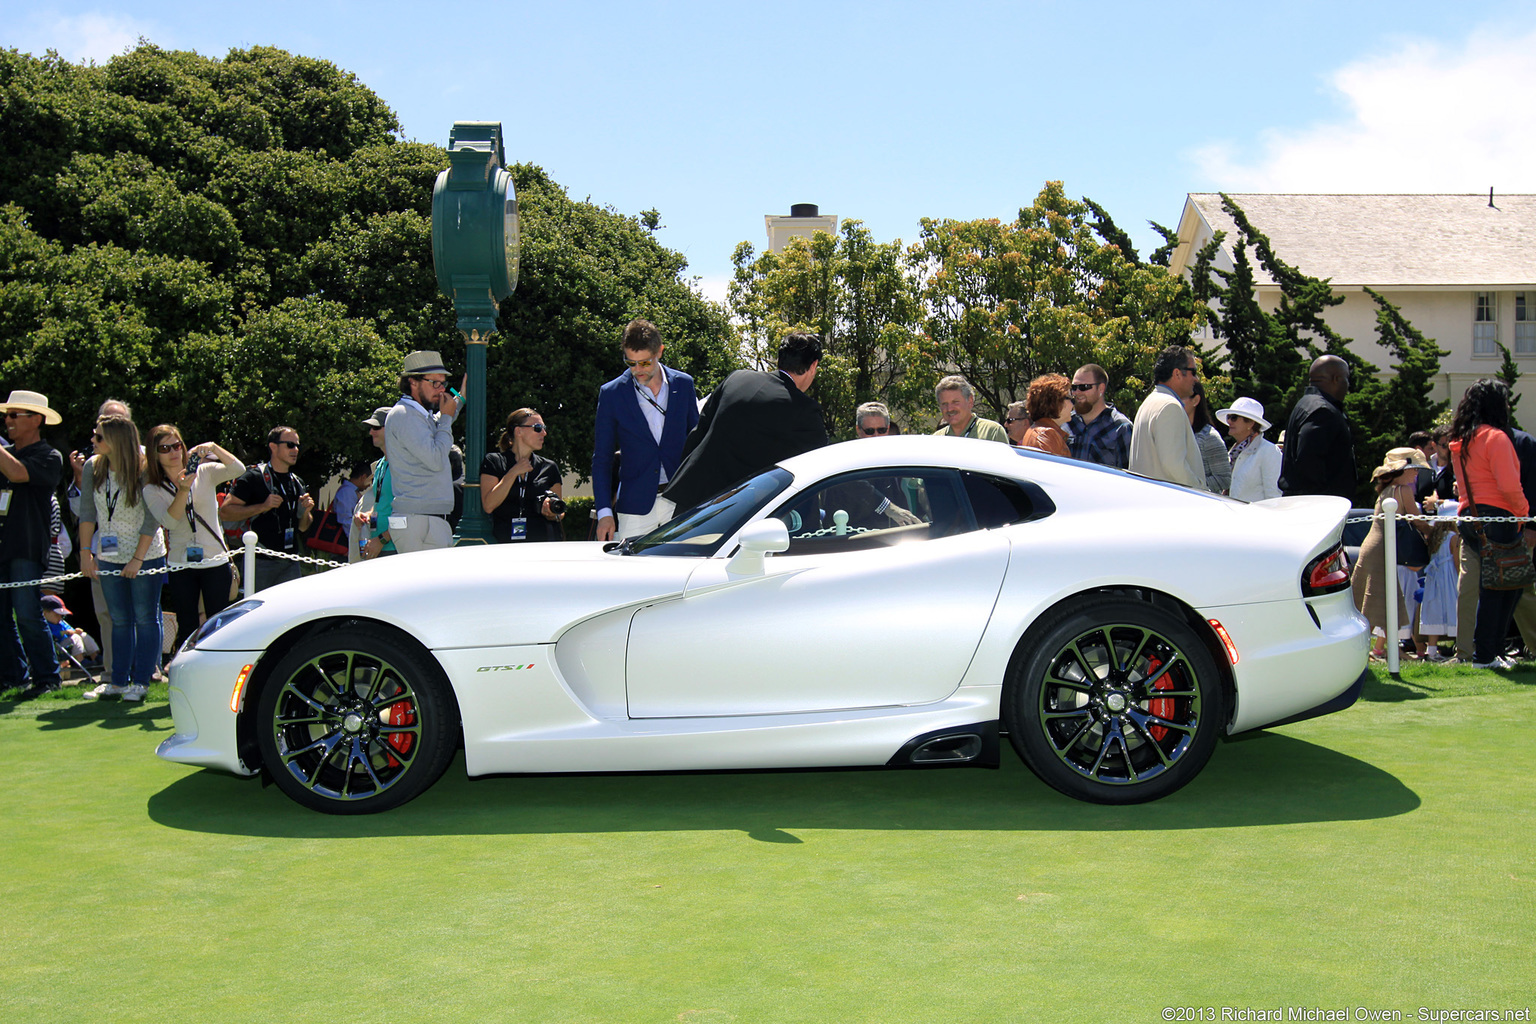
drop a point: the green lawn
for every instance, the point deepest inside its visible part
(1378, 858)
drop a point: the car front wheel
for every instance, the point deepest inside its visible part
(1117, 701)
(354, 721)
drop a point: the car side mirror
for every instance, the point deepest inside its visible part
(756, 540)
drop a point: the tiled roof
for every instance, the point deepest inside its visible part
(1391, 240)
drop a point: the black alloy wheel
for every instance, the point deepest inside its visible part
(1117, 702)
(354, 721)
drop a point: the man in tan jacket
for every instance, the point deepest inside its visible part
(1163, 443)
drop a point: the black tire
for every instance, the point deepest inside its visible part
(355, 721)
(1115, 701)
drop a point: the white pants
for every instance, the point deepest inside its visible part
(420, 533)
(638, 526)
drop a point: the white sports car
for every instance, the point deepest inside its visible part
(897, 602)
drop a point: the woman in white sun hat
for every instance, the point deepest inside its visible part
(1255, 461)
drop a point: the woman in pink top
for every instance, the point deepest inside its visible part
(1488, 473)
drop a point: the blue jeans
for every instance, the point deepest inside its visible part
(28, 640)
(135, 606)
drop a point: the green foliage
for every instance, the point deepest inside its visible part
(1509, 373)
(232, 243)
(856, 294)
(577, 524)
(1005, 303)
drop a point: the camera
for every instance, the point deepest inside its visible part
(556, 503)
(193, 461)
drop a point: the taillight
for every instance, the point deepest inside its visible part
(1328, 573)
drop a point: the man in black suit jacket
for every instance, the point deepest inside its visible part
(751, 421)
(1319, 455)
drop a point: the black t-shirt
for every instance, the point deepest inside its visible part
(523, 500)
(277, 530)
(26, 527)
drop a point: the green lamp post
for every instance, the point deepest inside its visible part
(475, 247)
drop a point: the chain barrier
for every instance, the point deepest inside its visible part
(166, 569)
(1422, 518)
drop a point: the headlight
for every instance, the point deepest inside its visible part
(219, 621)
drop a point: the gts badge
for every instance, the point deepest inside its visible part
(502, 668)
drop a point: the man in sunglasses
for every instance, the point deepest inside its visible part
(30, 471)
(418, 434)
(273, 497)
(1163, 444)
(872, 419)
(643, 419)
(1100, 433)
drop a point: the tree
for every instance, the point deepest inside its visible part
(232, 243)
(1509, 373)
(1006, 302)
(851, 290)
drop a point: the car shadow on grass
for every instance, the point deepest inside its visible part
(1268, 779)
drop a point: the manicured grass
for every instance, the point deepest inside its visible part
(1381, 857)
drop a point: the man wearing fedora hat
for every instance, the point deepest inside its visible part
(417, 436)
(30, 471)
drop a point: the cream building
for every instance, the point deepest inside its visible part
(1462, 268)
(804, 220)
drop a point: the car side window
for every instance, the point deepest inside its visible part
(996, 501)
(872, 509)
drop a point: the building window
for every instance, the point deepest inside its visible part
(1485, 324)
(1525, 323)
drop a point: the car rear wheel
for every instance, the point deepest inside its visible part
(354, 721)
(1117, 701)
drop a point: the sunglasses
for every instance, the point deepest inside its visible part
(288, 444)
(640, 364)
(1016, 419)
(97, 436)
(537, 428)
(163, 449)
(12, 414)
(870, 431)
(1083, 387)
(435, 383)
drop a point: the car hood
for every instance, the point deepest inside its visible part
(468, 596)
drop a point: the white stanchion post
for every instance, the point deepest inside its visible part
(1389, 536)
(248, 538)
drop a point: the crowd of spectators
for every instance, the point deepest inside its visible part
(163, 504)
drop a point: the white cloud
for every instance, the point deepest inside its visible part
(1425, 118)
(94, 36)
(714, 286)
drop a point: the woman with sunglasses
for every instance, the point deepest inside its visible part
(515, 483)
(185, 502)
(118, 534)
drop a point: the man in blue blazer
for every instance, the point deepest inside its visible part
(644, 414)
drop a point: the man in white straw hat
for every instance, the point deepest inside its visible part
(417, 436)
(30, 471)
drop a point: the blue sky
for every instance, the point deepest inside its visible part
(716, 114)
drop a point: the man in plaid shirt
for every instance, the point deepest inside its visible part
(1100, 432)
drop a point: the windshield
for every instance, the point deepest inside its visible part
(700, 531)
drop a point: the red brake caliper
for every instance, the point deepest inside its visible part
(1162, 707)
(402, 713)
